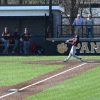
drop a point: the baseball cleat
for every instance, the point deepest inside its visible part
(65, 60)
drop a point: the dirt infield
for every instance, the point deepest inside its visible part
(72, 69)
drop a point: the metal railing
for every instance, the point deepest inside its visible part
(69, 30)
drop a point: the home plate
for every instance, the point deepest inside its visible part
(13, 90)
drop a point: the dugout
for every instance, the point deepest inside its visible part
(36, 19)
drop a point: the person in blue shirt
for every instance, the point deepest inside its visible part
(78, 22)
(89, 26)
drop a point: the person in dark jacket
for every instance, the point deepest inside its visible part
(26, 41)
(5, 40)
(16, 37)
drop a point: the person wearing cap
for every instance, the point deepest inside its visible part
(89, 26)
(26, 41)
(5, 40)
(78, 22)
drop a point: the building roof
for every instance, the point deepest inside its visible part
(27, 10)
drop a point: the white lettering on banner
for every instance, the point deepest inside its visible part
(83, 47)
(93, 46)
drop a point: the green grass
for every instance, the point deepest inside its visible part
(83, 87)
(30, 58)
(13, 71)
(35, 58)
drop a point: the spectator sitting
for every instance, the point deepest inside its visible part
(16, 38)
(26, 41)
(5, 40)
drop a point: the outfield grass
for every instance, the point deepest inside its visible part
(83, 87)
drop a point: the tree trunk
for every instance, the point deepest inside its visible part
(73, 10)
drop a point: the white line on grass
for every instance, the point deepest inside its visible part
(3, 96)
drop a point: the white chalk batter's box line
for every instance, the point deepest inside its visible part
(3, 96)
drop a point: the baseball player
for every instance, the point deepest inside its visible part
(74, 41)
